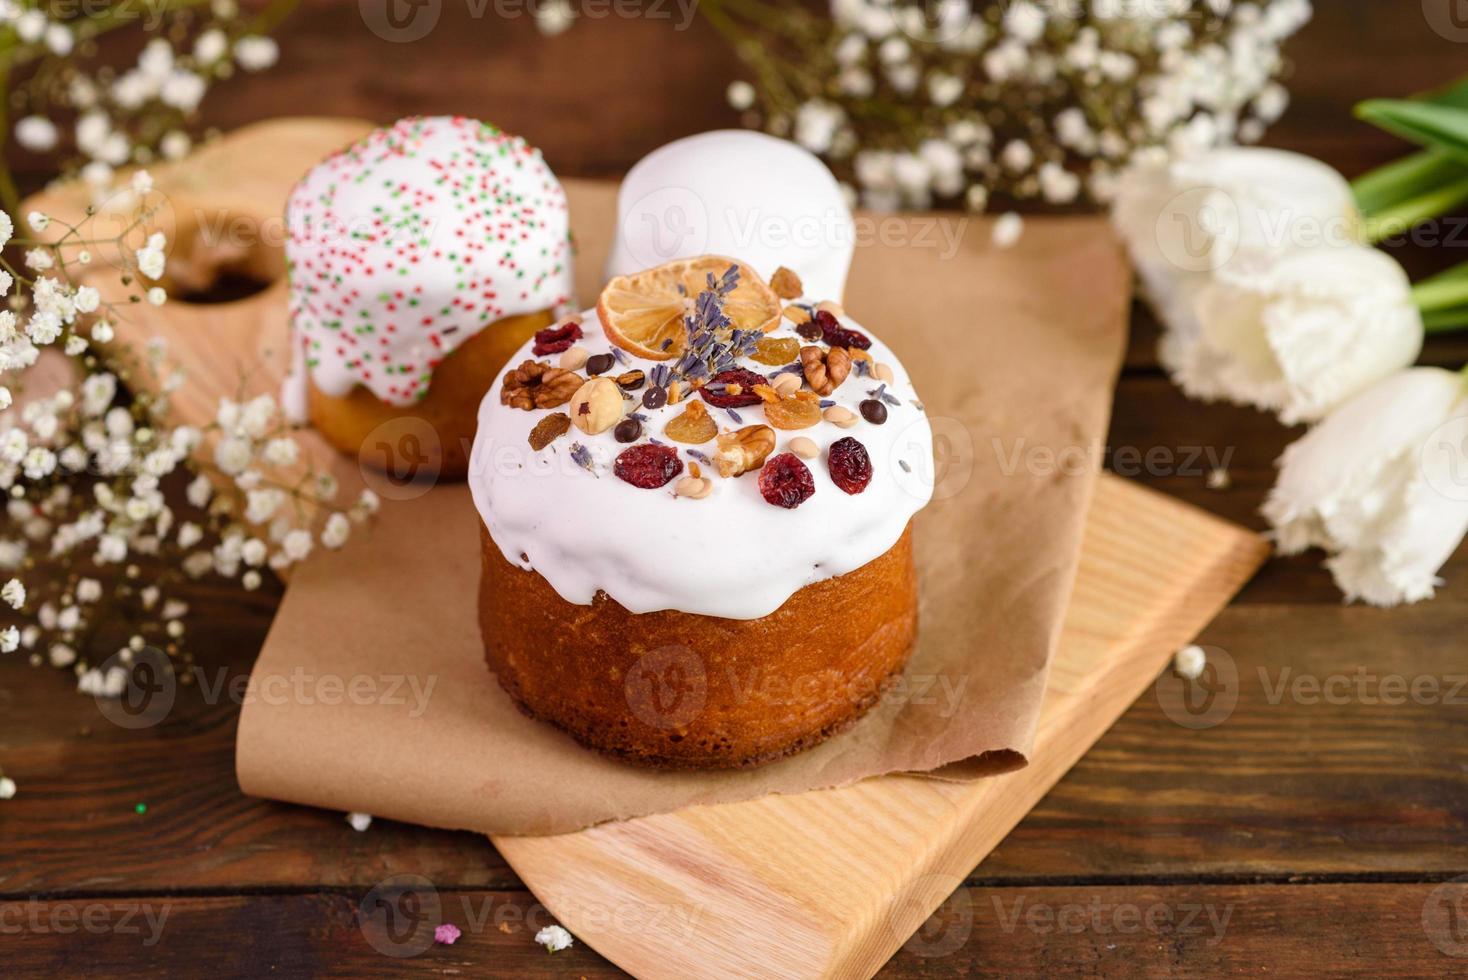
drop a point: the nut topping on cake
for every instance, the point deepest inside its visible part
(744, 450)
(535, 384)
(596, 406)
(825, 370)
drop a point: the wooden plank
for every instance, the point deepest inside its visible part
(804, 884)
(1143, 930)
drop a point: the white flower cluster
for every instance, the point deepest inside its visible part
(135, 114)
(86, 470)
(1033, 99)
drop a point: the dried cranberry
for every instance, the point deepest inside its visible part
(833, 333)
(648, 466)
(553, 340)
(745, 379)
(785, 481)
(850, 466)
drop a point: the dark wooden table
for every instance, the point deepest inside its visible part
(1313, 832)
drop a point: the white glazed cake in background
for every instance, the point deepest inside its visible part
(406, 244)
(764, 200)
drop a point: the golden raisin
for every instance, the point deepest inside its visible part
(694, 426)
(798, 411)
(776, 351)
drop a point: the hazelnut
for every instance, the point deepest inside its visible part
(744, 450)
(596, 406)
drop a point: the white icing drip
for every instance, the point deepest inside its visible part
(412, 240)
(295, 396)
(730, 554)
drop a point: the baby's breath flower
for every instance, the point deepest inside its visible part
(256, 53)
(281, 451)
(233, 454)
(338, 529)
(13, 593)
(9, 639)
(150, 257)
(36, 133)
(296, 545)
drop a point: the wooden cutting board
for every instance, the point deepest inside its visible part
(821, 884)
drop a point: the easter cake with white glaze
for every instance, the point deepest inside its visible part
(420, 258)
(695, 507)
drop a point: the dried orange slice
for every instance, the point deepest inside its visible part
(643, 313)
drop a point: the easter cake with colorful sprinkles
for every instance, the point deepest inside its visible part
(695, 505)
(420, 258)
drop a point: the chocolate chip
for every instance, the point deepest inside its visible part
(631, 380)
(655, 397)
(874, 411)
(599, 364)
(627, 430)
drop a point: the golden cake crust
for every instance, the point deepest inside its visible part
(432, 438)
(670, 689)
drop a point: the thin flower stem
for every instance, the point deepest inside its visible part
(9, 195)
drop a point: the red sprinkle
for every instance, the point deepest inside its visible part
(648, 466)
(850, 466)
(833, 333)
(746, 380)
(553, 340)
(785, 481)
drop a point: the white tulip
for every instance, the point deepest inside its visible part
(1382, 485)
(1299, 333)
(1220, 240)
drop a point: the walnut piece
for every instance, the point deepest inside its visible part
(744, 450)
(536, 384)
(825, 370)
